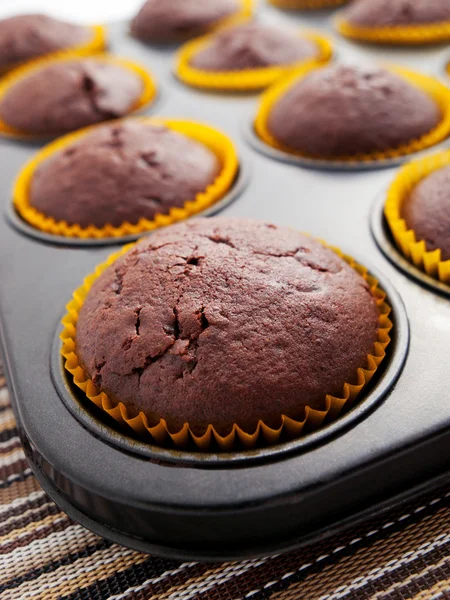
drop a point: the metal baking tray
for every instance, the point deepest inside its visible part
(390, 447)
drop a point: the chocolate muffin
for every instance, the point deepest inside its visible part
(253, 46)
(122, 172)
(222, 321)
(168, 21)
(383, 13)
(67, 95)
(345, 111)
(28, 36)
(427, 211)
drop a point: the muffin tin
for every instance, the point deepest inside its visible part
(393, 444)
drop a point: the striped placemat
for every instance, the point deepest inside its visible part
(45, 555)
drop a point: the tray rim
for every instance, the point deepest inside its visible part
(257, 551)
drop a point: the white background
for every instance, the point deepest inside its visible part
(83, 11)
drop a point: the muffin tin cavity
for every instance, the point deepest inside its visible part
(386, 243)
(427, 92)
(15, 220)
(328, 165)
(260, 146)
(106, 429)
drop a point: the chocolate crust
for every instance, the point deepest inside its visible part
(24, 37)
(251, 46)
(122, 172)
(343, 110)
(226, 320)
(383, 13)
(163, 21)
(65, 96)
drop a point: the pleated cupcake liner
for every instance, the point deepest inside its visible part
(407, 240)
(97, 44)
(402, 35)
(436, 90)
(307, 4)
(148, 94)
(161, 434)
(248, 79)
(213, 139)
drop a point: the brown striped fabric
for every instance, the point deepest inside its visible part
(44, 555)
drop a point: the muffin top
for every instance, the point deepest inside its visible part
(226, 321)
(427, 211)
(122, 172)
(64, 96)
(28, 36)
(345, 110)
(381, 13)
(167, 21)
(252, 46)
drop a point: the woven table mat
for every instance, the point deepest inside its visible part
(45, 555)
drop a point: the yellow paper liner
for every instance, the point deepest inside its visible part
(97, 44)
(404, 35)
(213, 139)
(412, 248)
(161, 433)
(307, 4)
(248, 79)
(149, 89)
(431, 86)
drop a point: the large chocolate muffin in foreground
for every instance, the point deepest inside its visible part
(252, 46)
(67, 95)
(345, 111)
(28, 36)
(383, 13)
(167, 21)
(427, 211)
(221, 321)
(122, 172)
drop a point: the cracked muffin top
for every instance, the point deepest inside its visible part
(382, 13)
(67, 95)
(222, 321)
(122, 172)
(347, 110)
(427, 211)
(167, 21)
(251, 46)
(25, 37)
